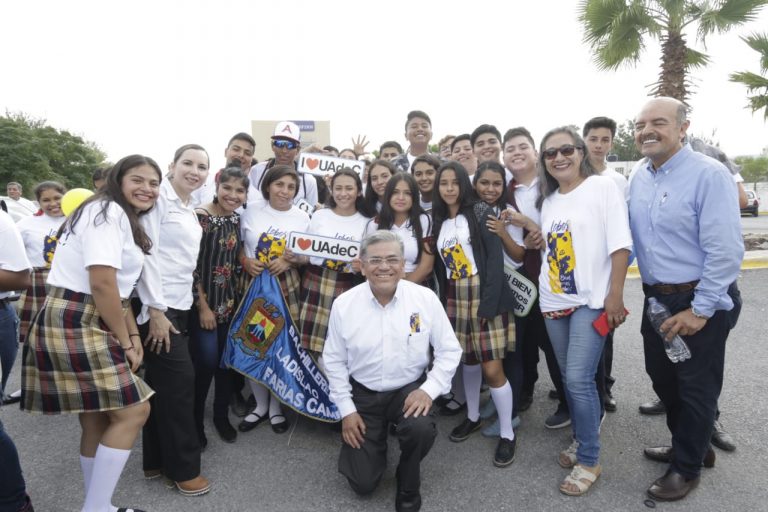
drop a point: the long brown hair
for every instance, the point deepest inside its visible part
(112, 191)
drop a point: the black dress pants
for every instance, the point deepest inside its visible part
(364, 467)
(170, 439)
(689, 389)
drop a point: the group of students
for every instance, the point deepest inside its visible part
(186, 267)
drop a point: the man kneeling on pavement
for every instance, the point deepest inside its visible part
(376, 356)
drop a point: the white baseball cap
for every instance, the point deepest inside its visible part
(287, 130)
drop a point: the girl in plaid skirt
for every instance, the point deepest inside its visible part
(265, 230)
(479, 301)
(39, 233)
(83, 347)
(326, 279)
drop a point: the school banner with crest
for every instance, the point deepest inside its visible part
(263, 344)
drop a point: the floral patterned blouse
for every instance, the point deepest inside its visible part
(217, 265)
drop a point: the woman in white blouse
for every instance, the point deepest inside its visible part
(171, 443)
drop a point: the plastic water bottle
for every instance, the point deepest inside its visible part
(677, 350)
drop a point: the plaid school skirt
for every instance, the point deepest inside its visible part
(32, 300)
(320, 287)
(72, 364)
(480, 343)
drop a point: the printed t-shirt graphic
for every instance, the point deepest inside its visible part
(456, 261)
(561, 259)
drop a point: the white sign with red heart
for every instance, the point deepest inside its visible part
(307, 244)
(322, 165)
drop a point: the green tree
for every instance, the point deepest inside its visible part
(757, 85)
(31, 152)
(624, 143)
(617, 32)
(753, 169)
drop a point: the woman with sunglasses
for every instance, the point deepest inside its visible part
(586, 241)
(424, 169)
(379, 173)
(171, 444)
(401, 214)
(265, 231)
(479, 302)
(216, 298)
(325, 279)
(83, 347)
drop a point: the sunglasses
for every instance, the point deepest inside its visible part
(285, 144)
(565, 150)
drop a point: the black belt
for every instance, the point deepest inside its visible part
(670, 289)
(4, 301)
(357, 384)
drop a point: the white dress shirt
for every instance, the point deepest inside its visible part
(387, 347)
(166, 281)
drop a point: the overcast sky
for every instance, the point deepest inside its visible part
(147, 77)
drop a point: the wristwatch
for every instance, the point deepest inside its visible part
(697, 314)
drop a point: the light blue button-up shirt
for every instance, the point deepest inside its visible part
(686, 226)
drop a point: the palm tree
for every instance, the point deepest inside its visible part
(616, 31)
(756, 84)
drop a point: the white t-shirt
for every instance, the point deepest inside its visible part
(455, 249)
(13, 258)
(306, 197)
(408, 236)
(97, 240)
(265, 230)
(39, 235)
(619, 180)
(326, 223)
(581, 230)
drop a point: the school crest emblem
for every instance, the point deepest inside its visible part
(263, 322)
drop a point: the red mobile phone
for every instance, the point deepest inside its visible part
(601, 323)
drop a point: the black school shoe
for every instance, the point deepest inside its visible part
(464, 430)
(505, 452)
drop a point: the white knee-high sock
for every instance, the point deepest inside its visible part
(261, 394)
(502, 399)
(86, 464)
(107, 467)
(473, 379)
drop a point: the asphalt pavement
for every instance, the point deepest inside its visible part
(296, 471)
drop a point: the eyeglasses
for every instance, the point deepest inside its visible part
(377, 261)
(565, 150)
(285, 144)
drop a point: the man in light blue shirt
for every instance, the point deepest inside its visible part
(687, 235)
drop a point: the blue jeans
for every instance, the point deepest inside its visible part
(13, 496)
(9, 341)
(578, 346)
(206, 348)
